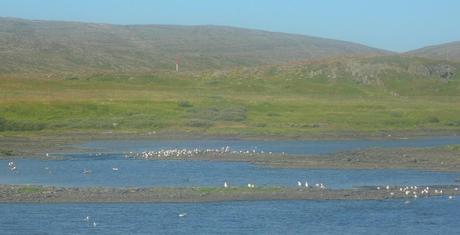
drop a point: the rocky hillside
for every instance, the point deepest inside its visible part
(448, 51)
(49, 46)
(373, 70)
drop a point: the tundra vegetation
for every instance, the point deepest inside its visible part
(385, 93)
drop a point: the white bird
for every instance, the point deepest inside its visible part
(182, 214)
(94, 224)
(225, 185)
(306, 184)
(86, 218)
(392, 194)
(299, 184)
(451, 197)
(47, 154)
(378, 188)
(114, 168)
(13, 168)
(388, 187)
(249, 185)
(10, 163)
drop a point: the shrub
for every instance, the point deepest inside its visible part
(199, 123)
(185, 104)
(433, 120)
(6, 125)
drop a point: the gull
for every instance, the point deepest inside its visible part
(94, 224)
(114, 168)
(299, 184)
(86, 218)
(451, 197)
(182, 214)
(225, 185)
(306, 184)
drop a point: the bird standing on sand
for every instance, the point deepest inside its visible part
(225, 184)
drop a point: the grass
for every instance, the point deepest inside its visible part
(6, 152)
(454, 148)
(263, 101)
(214, 190)
(30, 189)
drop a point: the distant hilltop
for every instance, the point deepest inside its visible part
(46, 46)
(447, 51)
(35, 46)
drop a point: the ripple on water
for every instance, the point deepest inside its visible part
(422, 216)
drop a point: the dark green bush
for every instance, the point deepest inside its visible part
(185, 104)
(199, 123)
(6, 125)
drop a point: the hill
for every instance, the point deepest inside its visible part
(447, 51)
(51, 46)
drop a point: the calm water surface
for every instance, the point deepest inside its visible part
(146, 173)
(290, 147)
(422, 216)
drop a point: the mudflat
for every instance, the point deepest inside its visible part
(45, 194)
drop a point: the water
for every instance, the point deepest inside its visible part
(147, 173)
(422, 216)
(290, 147)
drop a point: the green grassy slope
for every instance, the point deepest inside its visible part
(80, 48)
(363, 95)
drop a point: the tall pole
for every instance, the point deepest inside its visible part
(177, 64)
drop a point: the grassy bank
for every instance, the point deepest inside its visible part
(290, 101)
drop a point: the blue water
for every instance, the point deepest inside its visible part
(422, 216)
(147, 173)
(290, 147)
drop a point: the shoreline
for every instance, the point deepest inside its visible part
(431, 159)
(41, 142)
(46, 194)
(420, 158)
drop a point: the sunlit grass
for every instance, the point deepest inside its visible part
(228, 105)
